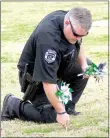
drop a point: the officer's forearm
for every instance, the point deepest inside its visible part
(50, 90)
(81, 57)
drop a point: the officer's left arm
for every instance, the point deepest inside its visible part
(82, 59)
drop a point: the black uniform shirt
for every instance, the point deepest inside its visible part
(47, 51)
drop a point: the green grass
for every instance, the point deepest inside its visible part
(100, 54)
(31, 13)
(9, 57)
(18, 30)
(96, 40)
(38, 130)
(18, 21)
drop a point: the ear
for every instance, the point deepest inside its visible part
(66, 22)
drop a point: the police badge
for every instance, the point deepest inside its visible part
(50, 56)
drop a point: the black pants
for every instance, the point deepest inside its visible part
(76, 83)
(26, 111)
(39, 114)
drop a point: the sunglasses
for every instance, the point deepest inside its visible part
(74, 33)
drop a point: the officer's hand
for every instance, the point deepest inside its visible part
(84, 67)
(63, 119)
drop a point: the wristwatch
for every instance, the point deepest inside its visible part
(61, 113)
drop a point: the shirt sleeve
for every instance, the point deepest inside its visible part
(46, 64)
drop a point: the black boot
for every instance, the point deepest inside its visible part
(70, 109)
(10, 109)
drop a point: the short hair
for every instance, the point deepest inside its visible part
(81, 16)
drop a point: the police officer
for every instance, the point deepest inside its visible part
(53, 52)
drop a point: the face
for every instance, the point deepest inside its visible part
(73, 32)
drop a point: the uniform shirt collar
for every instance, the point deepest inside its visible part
(62, 23)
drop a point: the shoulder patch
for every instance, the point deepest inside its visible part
(50, 56)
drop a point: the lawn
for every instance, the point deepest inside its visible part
(18, 20)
